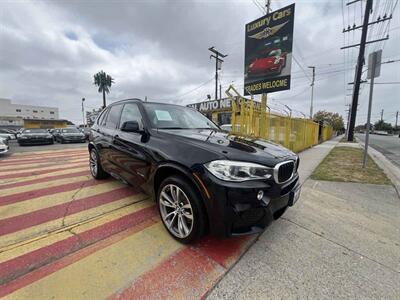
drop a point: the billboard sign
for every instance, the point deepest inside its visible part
(268, 52)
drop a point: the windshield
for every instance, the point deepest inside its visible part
(70, 130)
(275, 52)
(166, 116)
(35, 130)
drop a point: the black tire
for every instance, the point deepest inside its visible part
(98, 171)
(198, 223)
(62, 141)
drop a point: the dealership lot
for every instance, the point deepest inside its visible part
(102, 238)
(65, 235)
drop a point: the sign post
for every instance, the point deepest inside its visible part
(374, 70)
(268, 52)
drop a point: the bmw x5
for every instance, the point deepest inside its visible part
(203, 179)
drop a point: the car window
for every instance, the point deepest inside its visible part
(113, 116)
(101, 119)
(35, 130)
(166, 116)
(70, 130)
(130, 112)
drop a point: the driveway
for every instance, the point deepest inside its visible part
(388, 145)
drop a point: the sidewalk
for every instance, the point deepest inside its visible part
(341, 240)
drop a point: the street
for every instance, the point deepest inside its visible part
(388, 145)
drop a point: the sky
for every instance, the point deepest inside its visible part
(49, 51)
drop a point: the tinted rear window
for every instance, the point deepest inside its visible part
(113, 116)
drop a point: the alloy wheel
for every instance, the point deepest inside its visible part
(176, 210)
(93, 163)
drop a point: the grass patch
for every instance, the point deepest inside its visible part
(344, 164)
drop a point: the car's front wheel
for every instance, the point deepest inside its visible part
(181, 210)
(96, 169)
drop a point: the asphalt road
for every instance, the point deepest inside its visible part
(389, 146)
(15, 148)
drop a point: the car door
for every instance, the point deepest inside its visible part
(105, 139)
(130, 149)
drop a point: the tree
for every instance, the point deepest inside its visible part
(381, 125)
(333, 119)
(104, 82)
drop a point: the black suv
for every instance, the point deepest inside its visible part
(203, 179)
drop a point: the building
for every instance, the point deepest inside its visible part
(45, 123)
(15, 116)
(9, 109)
(219, 111)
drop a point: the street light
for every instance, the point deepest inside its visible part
(83, 113)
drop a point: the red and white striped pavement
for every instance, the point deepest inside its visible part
(64, 235)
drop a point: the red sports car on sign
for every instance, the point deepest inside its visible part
(272, 64)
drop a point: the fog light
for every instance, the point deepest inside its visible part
(260, 195)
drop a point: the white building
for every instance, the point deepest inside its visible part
(8, 109)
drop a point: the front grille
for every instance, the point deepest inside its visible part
(285, 171)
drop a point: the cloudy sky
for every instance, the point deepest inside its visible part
(49, 51)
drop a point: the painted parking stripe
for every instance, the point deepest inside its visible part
(187, 274)
(43, 230)
(126, 260)
(40, 186)
(34, 204)
(29, 195)
(41, 176)
(47, 153)
(44, 179)
(21, 172)
(19, 160)
(48, 163)
(40, 172)
(27, 220)
(23, 264)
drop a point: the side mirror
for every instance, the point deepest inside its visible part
(132, 126)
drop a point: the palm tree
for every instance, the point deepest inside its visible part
(104, 82)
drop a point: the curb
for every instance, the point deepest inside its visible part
(386, 165)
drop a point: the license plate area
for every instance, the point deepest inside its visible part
(294, 196)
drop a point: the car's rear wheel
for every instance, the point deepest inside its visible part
(181, 210)
(95, 166)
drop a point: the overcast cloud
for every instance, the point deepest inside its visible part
(49, 51)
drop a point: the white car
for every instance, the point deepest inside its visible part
(3, 146)
(4, 133)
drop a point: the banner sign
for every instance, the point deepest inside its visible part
(268, 52)
(220, 104)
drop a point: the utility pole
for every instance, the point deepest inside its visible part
(220, 91)
(83, 113)
(397, 117)
(360, 59)
(218, 63)
(372, 68)
(312, 91)
(381, 114)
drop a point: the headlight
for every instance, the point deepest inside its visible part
(238, 171)
(23, 137)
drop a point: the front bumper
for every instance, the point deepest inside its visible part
(35, 141)
(235, 210)
(73, 139)
(4, 149)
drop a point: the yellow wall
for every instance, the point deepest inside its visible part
(45, 124)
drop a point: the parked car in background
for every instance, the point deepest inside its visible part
(35, 136)
(70, 135)
(7, 133)
(4, 146)
(201, 177)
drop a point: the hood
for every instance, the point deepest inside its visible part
(233, 147)
(35, 134)
(72, 133)
(263, 63)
